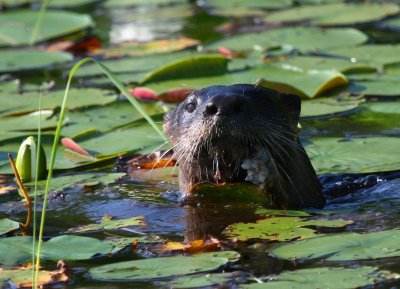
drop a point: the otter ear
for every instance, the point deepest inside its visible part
(293, 105)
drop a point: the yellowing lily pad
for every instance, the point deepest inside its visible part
(279, 229)
(343, 247)
(336, 14)
(326, 277)
(156, 268)
(16, 26)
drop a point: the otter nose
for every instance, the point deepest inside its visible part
(224, 105)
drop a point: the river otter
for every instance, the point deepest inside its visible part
(243, 133)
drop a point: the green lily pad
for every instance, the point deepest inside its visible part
(377, 87)
(377, 55)
(7, 225)
(359, 155)
(72, 4)
(299, 38)
(17, 250)
(335, 14)
(16, 26)
(29, 122)
(62, 182)
(326, 277)
(198, 66)
(22, 60)
(343, 247)
(285, 213)
(325, 63)
(130, 3)
(156, 268)
(196, 281)
(389, 107)
(328, 106)
(109, 224)
(279, 229)
(254, 4)
(77, 98)
(106, 118)
(308, 83)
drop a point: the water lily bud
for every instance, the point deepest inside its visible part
(26, 161)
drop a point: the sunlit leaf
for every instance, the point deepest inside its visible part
(162, 267)
(279, 229)
(343, 247)
(7, 225)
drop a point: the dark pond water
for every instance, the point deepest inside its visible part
(371, 201)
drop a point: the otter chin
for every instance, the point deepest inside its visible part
(244, 133)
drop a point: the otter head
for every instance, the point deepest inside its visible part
(243, 133)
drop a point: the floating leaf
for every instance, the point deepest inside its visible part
(196, 281)
(197, 66)
(358, 155)
(77, 98)
(258, 4)
(79, 180)
(378, 87)
(285, 213)
(17, 250)
(304, 39)
(16, 26)
(156, 268)
(7, 225)
(343, 247)
(390, 107)
(373, 54)
(22, 277)
(326, 277)
(21, 60)
(127, 3)
(29, 122)
(335, 14)
(279, 229)
(328, 107)
(109, 224)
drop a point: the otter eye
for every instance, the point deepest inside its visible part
(190, 107)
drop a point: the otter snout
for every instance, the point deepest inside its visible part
(224, 105)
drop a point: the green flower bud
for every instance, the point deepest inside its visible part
(26, 161)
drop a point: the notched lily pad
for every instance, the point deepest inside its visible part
(342, 247)
(279, 229)
(156, 268)
(335, 14)
(326, 277)
(7, 225)
(109, 224)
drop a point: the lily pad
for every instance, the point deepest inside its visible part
(72, 4)
(343, 247)
(358, 155)
(335, 14)
(305, 39)
(109, 224)
(328, 106)
(198, 66)
(326, 277)
(285, 213)
(16, 26)
(196, 281)
(255, 4)
(7, 225)
(389, 107)
(17, 250)
(29, 122)
(279, 229)
(22, 60)
(378, 87)
(77, 98)
(156, 268)
(377, 55)
(62, 182)
(131, 3)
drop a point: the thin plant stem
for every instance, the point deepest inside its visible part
(133, 101)
(39, 21)
(38, 155)
(24, 192)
